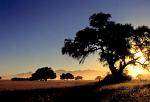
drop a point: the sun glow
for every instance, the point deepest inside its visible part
(137, 69)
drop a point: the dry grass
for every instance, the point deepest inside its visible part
(7, 85)
(126, 85)
(134, 91)
(73, 91)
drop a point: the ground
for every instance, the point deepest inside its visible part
(7, 85)
(73, 91)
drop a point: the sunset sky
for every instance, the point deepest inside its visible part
(32, 32)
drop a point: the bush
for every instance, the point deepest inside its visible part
(110, 79)
(20, 79)
(43, 74)
(98, 78)
(66, 76)
(78, 78)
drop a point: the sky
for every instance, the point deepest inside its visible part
(32, 32)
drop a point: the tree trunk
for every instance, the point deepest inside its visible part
(121, 68)
(113, 70)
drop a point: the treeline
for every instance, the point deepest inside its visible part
(45, 73)
(20, 79)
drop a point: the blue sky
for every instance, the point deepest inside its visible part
(32, 31)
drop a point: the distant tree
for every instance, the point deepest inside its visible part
(115, 43)
(63, 76)
(66, 76)
(43, 74)
(139, 76)
(19, 79)
(78, 78)
(69, 76)
(98, 78)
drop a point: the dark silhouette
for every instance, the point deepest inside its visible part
(78, 78)
(19, 79)
(112, 41)
(110, 79)
(69, 76)
(43, 74)
(98, 78)
(66, 76)
(142, 43)
(63, 76)
(0, 77)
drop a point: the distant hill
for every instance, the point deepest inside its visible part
(20, 75)
(87, 74)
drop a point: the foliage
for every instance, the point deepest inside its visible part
(66, 76)
(43, 74)
(110, 79)
(78, 78)
(112, 41)
(69, 76)
(63, 76)
(19, 79)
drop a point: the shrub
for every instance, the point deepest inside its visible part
(20, 79)
(110, 79)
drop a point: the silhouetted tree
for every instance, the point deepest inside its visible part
(0, 77)
(78, 78)
(63, 76)
(141, 43)
(19, 79)
(66, 76)
(69, 76)
(98, 78)
(43, 74)
(112, 41)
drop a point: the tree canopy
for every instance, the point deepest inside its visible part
(78, 77)
(63, 76)
(115, 43)
(43, 74)
(66, 76)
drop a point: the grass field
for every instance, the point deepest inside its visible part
(7, 85)
(73, 91)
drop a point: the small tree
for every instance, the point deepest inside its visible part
(19, 79)
(66, 76)
(43, 74)
(63, 76)
(98, 78)
(78, 78)
(69, 76)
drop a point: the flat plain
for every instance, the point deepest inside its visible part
(73, 91)
(8, 85)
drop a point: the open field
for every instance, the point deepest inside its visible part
(73, 91)
(134, 91)
(7, 85)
